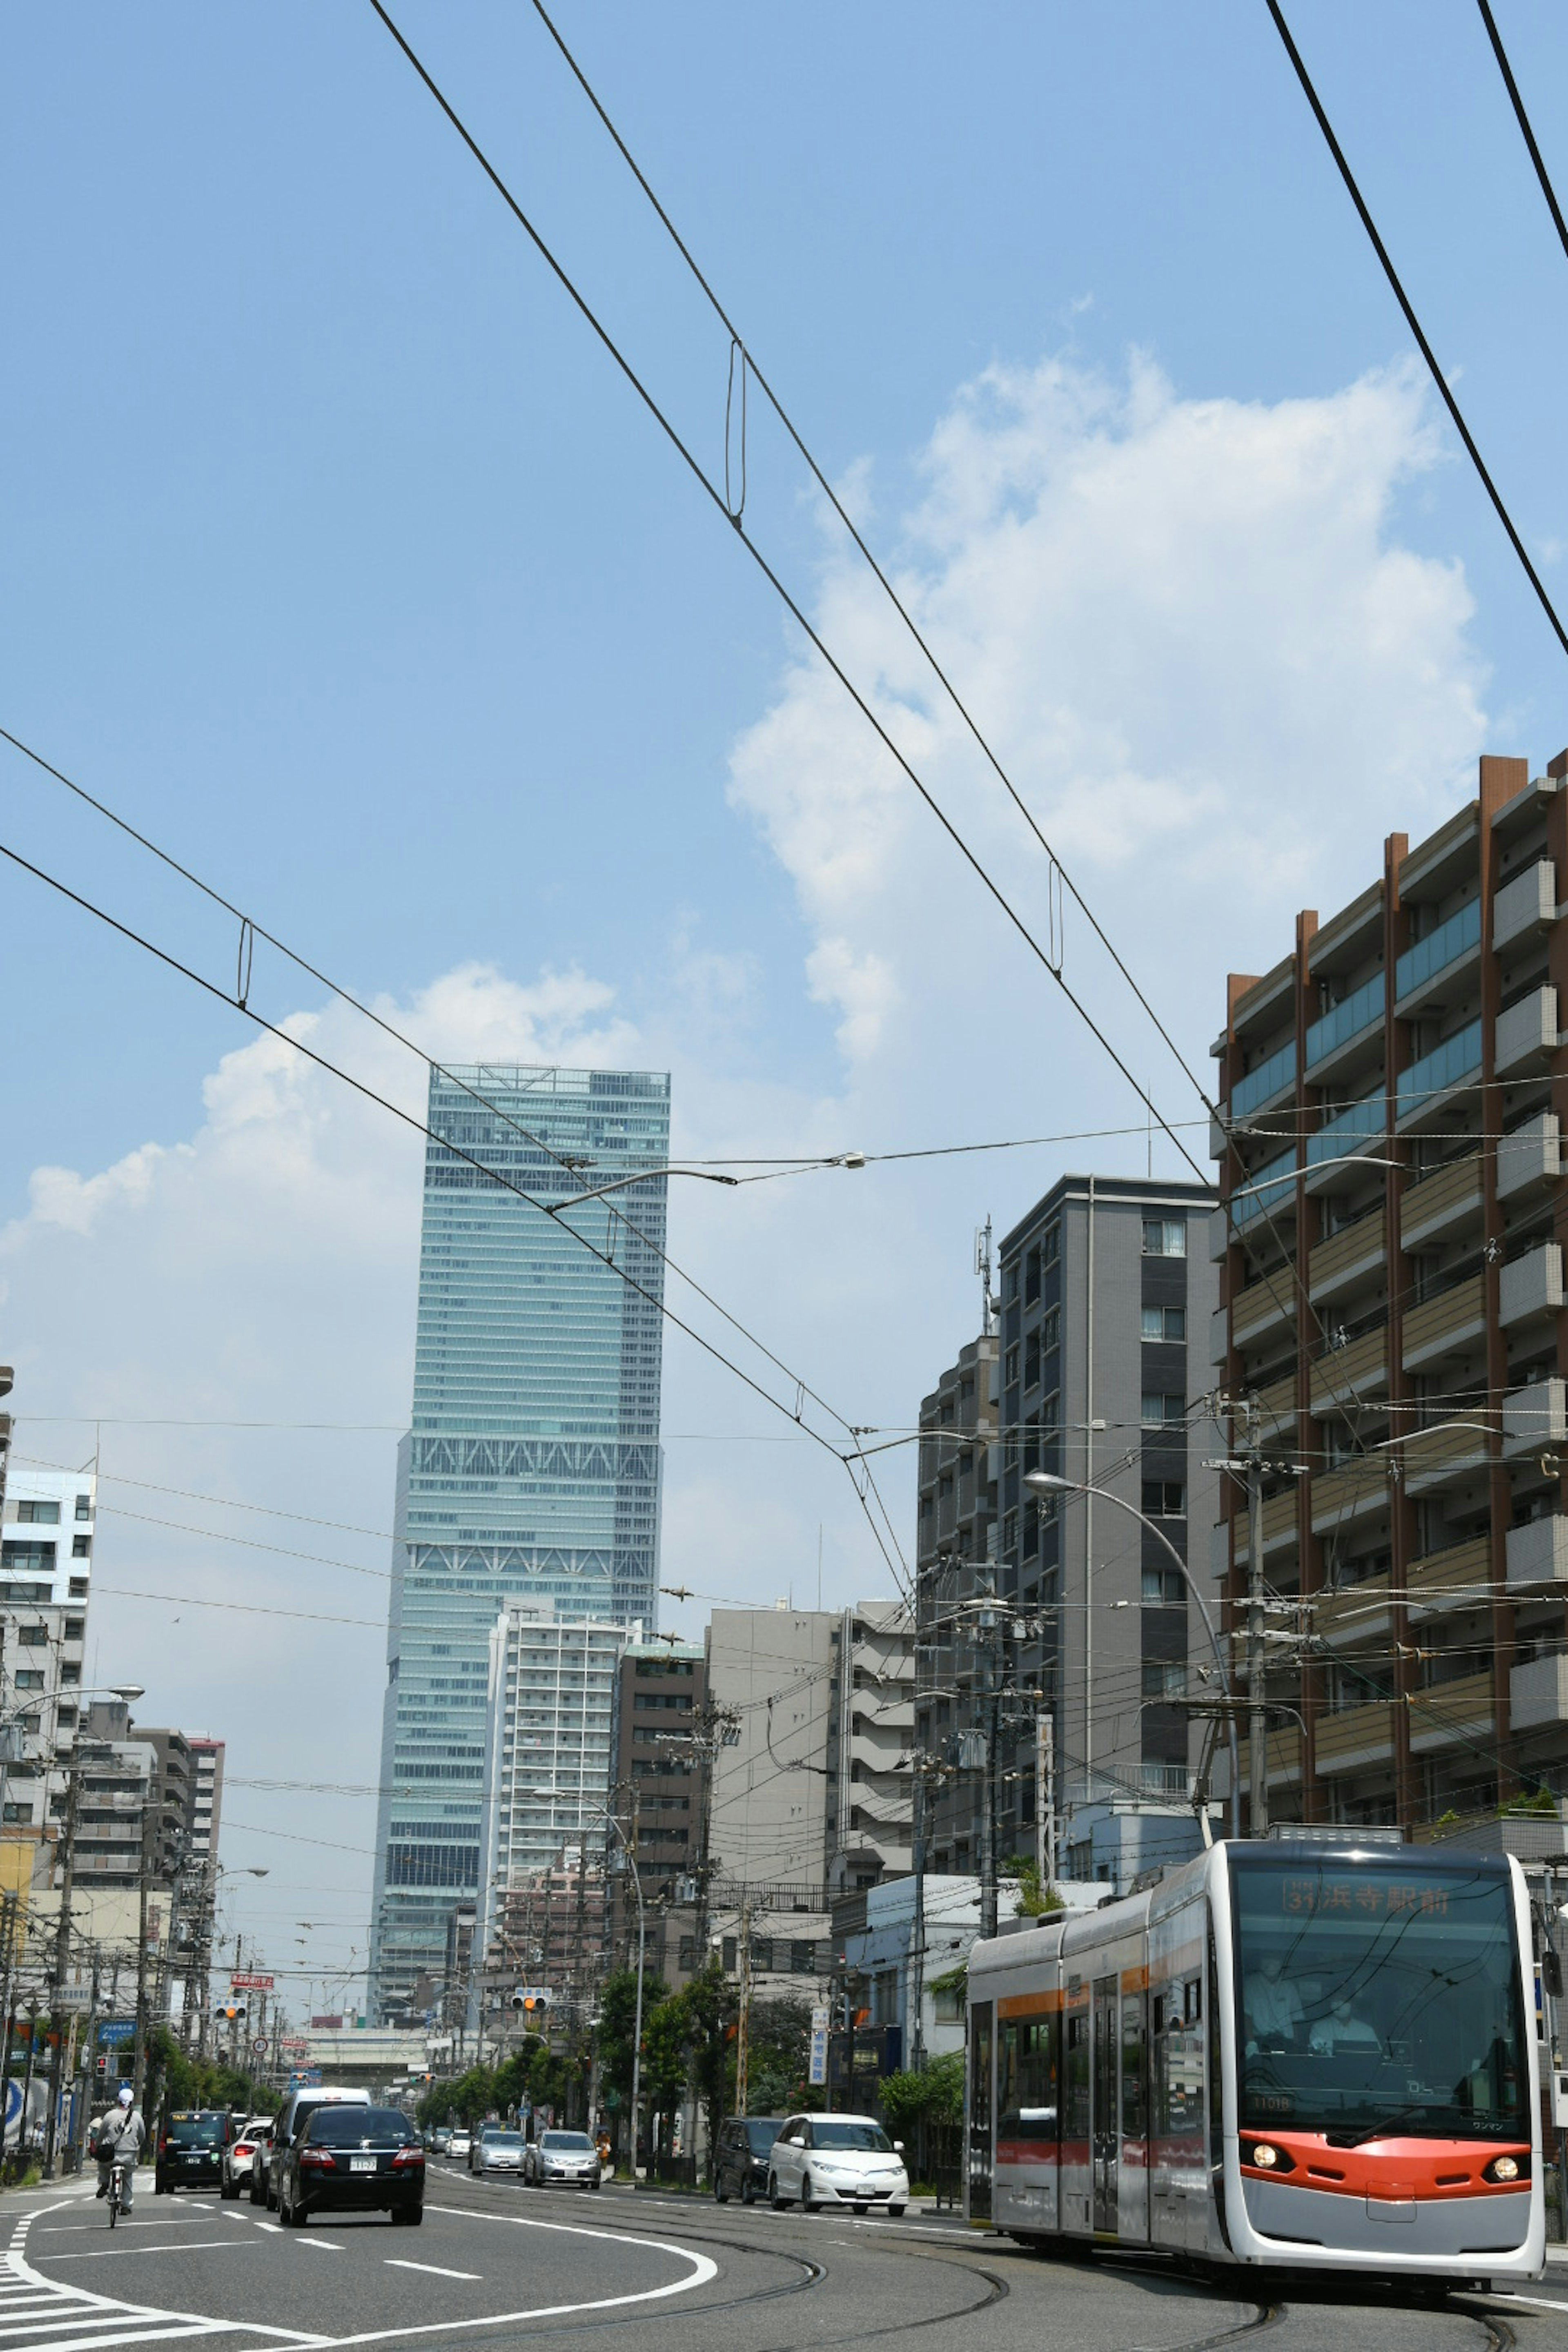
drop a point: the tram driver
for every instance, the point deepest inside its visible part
(1273, 2004)
(1343, 2029)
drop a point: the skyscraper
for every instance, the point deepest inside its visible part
(531, 1469)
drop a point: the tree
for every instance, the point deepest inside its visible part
(711, 2002)
(617, 2011)
(665, 2034)
(778, 2056)
(1036, 1900)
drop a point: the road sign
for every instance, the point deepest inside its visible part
(259, 2047)
(251, 1984)
(116, 2029)
(819, 2020)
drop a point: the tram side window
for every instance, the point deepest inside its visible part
(1075, 2117)
(1178, 2069)
(1027, 2091)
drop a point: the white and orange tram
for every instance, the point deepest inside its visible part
(1300, 2055)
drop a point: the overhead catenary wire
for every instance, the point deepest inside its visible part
(1542, 173)
(1413, 322)
(715, 494)
(493, 1175)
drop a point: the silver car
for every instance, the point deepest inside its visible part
(568, 2156)
(497, 2151)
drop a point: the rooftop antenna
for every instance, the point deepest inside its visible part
(982, 1269)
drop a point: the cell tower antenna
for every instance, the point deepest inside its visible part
(982, 1269)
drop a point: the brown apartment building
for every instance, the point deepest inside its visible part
(1391, 1247)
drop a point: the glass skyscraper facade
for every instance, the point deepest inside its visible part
(531, 1470)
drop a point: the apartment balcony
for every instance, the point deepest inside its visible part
(1457, 1578)
(1355, 1737)
(1283, 1750)
(1267, 1191)
(1348, 1035)
(1441, 1203)
(1219, 1234)
(1530, 1156)
(1538, 1555)
(1278, 1527)
(1361, 1129)
(1528, 903)
(1535, 1417)
(1445, 1455)
(1448, 1325)
(1264, 1088)
(1437, 966)
(1341, 1497)
(1264, 1310)
(1450, 1715)
(1355, 1614)
(1277, 1410)
(1538, 1693)
(1424, 1092)
(1337, 1266)
(1352, 1375)
(1527, 1033)
(1530, 1287)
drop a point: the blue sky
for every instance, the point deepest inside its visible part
(338, 556)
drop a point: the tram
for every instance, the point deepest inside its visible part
(1297, 2054)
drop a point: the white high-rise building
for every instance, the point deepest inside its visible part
(46, 1574)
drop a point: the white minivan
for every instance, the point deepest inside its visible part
(285, 2124)
(838, 2160)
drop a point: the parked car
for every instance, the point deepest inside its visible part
(190, 2150)
(564, 2155)
(353, 2158)
(459, 2144)
(239, 2160)
(740, 2166)
(837, 2160)
(496, 2150)
(286, 2125)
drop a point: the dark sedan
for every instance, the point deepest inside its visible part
(741, 2164)
(352, 2161)
(189, 2154)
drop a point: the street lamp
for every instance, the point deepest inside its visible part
(1047, 1483)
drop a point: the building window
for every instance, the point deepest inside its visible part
(1163, 1410)
(32, 1635)
(79, 1588)
(1164, 1323)
(30, 1678)
(1010, 1372)
(81, 1547)
(33, 1558)
(762, 1951)
(76, 1629)
(1051, 1245)
(1031, 1278)
(1164, 1679)
(1165, 1498)
(686, 1953)
(1164, 1588)
(18, 1813)
(1050, 1330)
(84, 1506)
(1165, 1237)
(803, 1960)
(729, 1954)
(38, 1515)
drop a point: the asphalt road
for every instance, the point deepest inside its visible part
(494, 2264)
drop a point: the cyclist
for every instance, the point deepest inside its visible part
(121, 2142)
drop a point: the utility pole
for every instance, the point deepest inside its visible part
(62, 1955)
(1046, 1798)
(744, 2018)
(987, 1625)
(914, 1973)
(1257, 1713)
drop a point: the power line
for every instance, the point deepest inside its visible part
(494, 1176)
(1413, 323)
(1547, 190)
(749, 363)
(239, 1608)
(795, 610)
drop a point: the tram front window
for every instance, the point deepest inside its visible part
(1378, 1996)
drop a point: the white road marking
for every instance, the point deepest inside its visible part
(435, 2269)
(102, 2254)
(321, 2245)
(85, 2322)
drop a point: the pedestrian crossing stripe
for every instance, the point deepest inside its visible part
(41, 2315)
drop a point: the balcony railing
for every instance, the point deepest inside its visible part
(1353, 1737)
(1447, 1197)
(1276, 1407)
(1347, 1133)
(1450, 1713)
(1339, 1498)
(1451, 1320)
(1440, 1455)
(1336, 1262)
(1457, 1058)
(1270, 1187)
(1268, 1080)
(1538, 1553)
(1444, 945)
(1357, 1612)
(1263, 1306)
(1538, 1693)
(1283, 1750)
(1353, 1373)
(1458, 1576)
(1279, 1525)
(1360, 1010)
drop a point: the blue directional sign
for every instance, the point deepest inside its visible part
(116, 2029)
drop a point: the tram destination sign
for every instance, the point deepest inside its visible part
(1369, 1898)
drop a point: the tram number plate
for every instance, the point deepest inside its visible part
(361, 2164)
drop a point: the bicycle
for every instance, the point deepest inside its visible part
(116, 2174)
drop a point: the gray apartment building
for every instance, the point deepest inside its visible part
(1106, 1290)
(659, 1789)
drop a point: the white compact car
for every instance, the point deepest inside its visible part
(460, 2144)
(838, 2160)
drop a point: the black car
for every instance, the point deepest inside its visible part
(353, 2160)
(740, 2166)
(189, 2153)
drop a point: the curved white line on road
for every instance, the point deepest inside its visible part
(702, 2269)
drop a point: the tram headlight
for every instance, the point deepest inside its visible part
(1504, 2169)
(1269, 2158)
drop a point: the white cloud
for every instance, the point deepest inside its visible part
(1218, 678)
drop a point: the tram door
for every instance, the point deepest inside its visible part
(1107, 2117)
(1134, 2115)
(979, 2151)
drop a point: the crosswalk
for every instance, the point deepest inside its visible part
(40, 2314)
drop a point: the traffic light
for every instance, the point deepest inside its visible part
(532, 2000)
(234, 2012)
